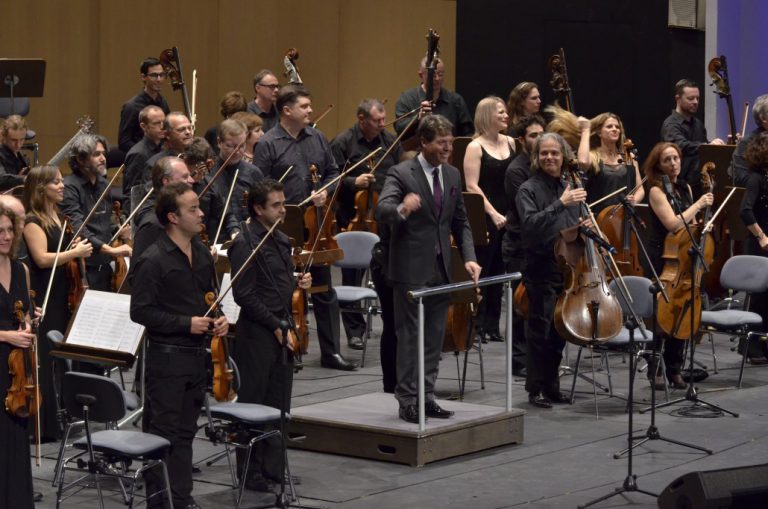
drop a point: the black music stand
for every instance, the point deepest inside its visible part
(720, 155)
(21, 77)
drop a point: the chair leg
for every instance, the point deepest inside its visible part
(604, 359)
(744, 357)
(714, 355)
(367, 335)
(57, 471)
(575, 374)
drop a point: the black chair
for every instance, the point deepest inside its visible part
(95, 398)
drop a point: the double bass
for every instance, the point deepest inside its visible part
(169, 59)
(560, 84)
(718, 71)
(433, 51)
(681, 276)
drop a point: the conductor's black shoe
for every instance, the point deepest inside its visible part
(539, 400)
(355, 343)
(558, 397)
(432, 409)
(495, 337)
(410, 413)
(336, 361)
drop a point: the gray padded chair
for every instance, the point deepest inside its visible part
(95, 398)
(357, 248)
(741, 273)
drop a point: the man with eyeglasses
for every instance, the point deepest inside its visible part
(445, 102)
(265, 86)
(152, 76)
(151, 120)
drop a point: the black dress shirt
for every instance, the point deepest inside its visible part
(79, 198)
(688, 135)
(168, 291)
(278, 150)
(136, 170)
(518, 171)
(10, 165)
(238, 209)
(348, 148)
(449, 104)
(264, 290)
(269, 118)
(754, 205)
(739, 169)
(129, 133)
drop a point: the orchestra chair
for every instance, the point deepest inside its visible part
(21, 108)
(68, 421)
(741, 273)
(95, 398)
(357, 247)
(642, 304)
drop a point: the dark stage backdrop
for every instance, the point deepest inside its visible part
(620, 54)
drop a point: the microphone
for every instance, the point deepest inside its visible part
(589, 232)
(630, 209)
(667, 186)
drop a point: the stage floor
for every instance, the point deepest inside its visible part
(565, 459)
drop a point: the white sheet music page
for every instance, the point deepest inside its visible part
(228, 305)
(103, 321)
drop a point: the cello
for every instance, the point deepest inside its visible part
(587, 312)
(680, 318)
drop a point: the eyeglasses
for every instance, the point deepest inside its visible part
(271, 87)
(157, 75)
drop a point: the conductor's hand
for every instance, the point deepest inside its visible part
(200, 324)
(220, 326)
(364, 180)
(571, 197)
(474, 270)
(411, 203)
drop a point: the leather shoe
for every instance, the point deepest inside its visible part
(676, 381)
(192, 505)
(37, 496)
(539, 400)
(758, 361)
(355, 343)
(336, 361)
(495, 337)
(258, 483)
(295, 478)
(410, 413)
(432, 409)
(558, 397)
(521, 372)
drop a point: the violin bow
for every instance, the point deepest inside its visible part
(285, 174)
(744, 118)
(226, 205)
(36, 360)
(93, 209)
(192, 112)
(404, 115)
(322, 115)
(708, 227)
(340, 176)
(218, 172)
(394, 144)
(130, 216)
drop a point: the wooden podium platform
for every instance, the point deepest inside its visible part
(367, 426)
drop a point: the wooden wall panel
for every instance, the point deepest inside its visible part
(350, 49)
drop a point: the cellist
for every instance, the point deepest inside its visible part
(349, 147)
(264, 296)
(664, 160)
(15, 467)
(545, 205)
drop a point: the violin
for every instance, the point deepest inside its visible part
(223, 375)
(121, 266)
(718, 71)
(319, 233)
(169, 59)
(365, 206)
(298, 341)
(76, 276)
(23, 399)
(614, 223)
(674, 317)
(559, 82)
(587, 312)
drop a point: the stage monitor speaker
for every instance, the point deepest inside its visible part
(740, 487)
(686, 14)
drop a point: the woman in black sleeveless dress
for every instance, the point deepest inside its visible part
(485, 163)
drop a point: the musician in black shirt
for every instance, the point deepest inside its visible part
(545, 206)
(12, 161)
(265, 86)
(171, 279)
(152, 76)
(151, 120)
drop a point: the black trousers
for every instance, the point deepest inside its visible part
(99, 277)
(263, 380)
(326, 309)
(545, 347)
(175, 393)
(489, 256)
(354, 323)
(388, 343)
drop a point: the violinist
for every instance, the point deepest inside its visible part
(524, 100)
(740, 169)
(82, 189)
(153, 77)
(264, 296)
(151, 120)
(546, 205)
(15, 467)
(485, 163)
(232, 102)
(293, 143)
(178, 136)
(754, 214)
(446, 102)
(255, 129)
(43, 193)
(170, 281)
(665, 160)
(348, 148)
(200, 158)
(687, 131)
(12, 162)
(265, 86)
(526, 132)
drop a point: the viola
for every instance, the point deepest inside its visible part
(681, 272)
(319, 232)
(121, 266)
(298, 339)
(223, 374)
(365, 206)
(76, 276)
(587, 312)
(23, 399)
(614, 223)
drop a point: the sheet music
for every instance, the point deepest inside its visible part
(103, 321)
(228, 305)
